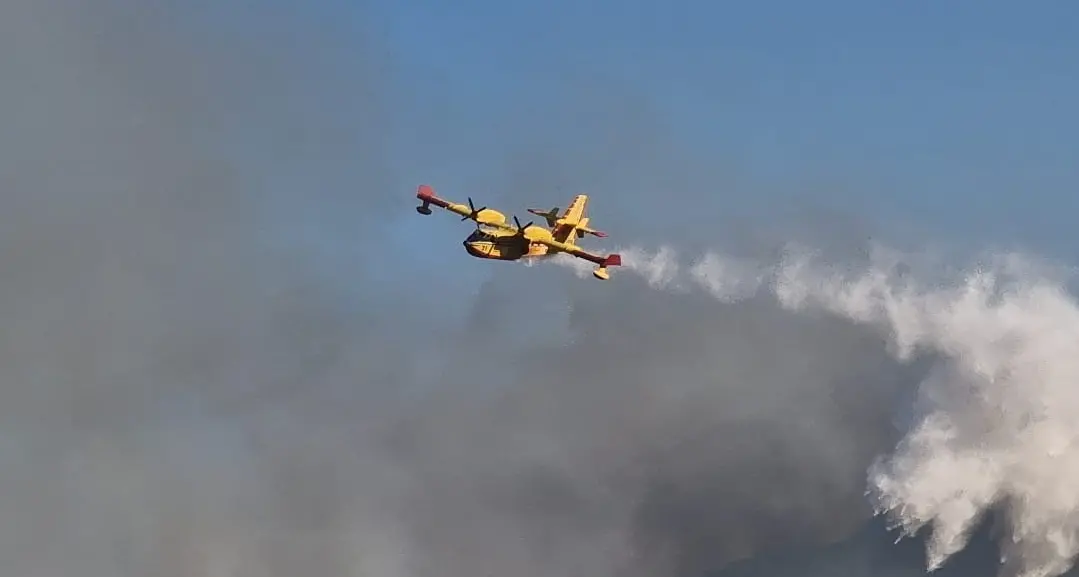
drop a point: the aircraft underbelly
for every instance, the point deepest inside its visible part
(537, 249)
(493, 250)
(479, 249)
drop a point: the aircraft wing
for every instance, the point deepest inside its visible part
(482, 215)
(603, 262)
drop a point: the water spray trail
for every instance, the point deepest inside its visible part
(996, 429)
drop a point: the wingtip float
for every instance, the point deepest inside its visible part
(495, 239)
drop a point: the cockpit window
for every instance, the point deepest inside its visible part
(482, 233)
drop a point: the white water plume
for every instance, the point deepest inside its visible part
(995, 426)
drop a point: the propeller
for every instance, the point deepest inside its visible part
(521, 229)
(475, 211)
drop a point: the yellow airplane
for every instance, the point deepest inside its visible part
(496, 240)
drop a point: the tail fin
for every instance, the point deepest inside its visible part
(575, 212)
(573, 224)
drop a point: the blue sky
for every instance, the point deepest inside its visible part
(958, 117)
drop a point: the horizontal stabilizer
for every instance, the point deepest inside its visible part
(551, 216)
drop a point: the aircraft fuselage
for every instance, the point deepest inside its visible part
(495, 246)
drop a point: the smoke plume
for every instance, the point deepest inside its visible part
(990, 433)
(188, 391)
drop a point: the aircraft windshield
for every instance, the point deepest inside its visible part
(483, 233)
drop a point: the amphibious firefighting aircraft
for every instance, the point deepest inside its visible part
(497, 240)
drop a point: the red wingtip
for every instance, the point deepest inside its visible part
(425, 191)
(600, 234)
(613, 260)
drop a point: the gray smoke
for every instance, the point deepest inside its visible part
(185, 393)
(989, 433)
(158, 352)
